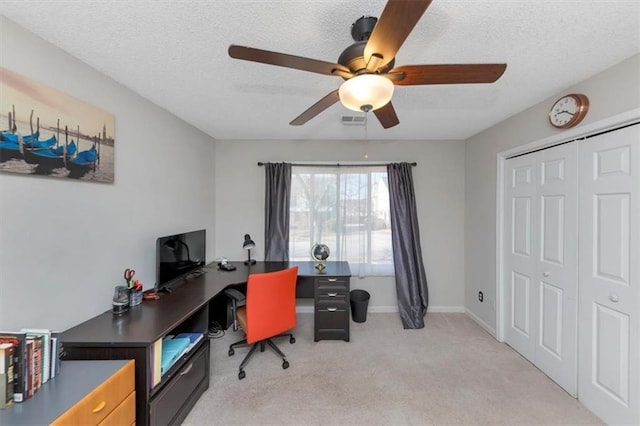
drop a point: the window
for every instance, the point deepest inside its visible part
(346, 208)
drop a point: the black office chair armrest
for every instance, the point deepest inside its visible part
(235, 295)
(237, 299)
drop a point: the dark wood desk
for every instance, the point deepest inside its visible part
(189, 308)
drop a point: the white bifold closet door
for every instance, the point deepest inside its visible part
(540, 261)
(609, 374)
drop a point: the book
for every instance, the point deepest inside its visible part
(3, 390)
(35, 364)
(6, 374)
(156, 359)
(56, 353)
(29, 373)
(172, 349)
(19, 339)
(194, 338)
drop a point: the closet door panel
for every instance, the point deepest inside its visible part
(609, 257)
(519, 262)
(556, 268)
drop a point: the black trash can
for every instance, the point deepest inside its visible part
(359, 301)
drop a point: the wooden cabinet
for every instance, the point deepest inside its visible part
(84, 393)
(103, 401)
(331, 308)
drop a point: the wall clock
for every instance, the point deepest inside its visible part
(568, 111)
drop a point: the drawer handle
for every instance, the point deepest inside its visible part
(99, 407)
(332, 309)
(187, 370)
(332, 280)
(332, 294)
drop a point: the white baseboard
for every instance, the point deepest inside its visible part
(488, 329)
(458, 309)
(390, 309)
(383, 309)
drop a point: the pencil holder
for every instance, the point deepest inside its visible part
(135, 297)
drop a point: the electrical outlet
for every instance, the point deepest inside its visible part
(480, 296)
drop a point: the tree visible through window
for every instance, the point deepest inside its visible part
(346, 208)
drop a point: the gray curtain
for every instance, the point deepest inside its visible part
(276, 210)
(411, 279)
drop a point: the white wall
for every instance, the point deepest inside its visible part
(611, 92)
(65, 243)
(439, 186)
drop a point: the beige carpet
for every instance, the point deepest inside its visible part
(452, 371)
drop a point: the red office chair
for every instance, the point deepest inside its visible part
(270, 310)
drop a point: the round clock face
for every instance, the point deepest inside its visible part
(568, 111)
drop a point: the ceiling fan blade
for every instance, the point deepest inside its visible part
(285, 60)
(316, 108)
(448, 74)
(393, 27)
(387, 116)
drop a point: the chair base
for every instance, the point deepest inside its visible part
(261, 343)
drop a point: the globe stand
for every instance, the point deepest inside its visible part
(320, 253)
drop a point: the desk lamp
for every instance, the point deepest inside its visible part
(248, 245)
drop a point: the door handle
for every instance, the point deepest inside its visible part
(614, 297)
(332, 309)
(546, 273)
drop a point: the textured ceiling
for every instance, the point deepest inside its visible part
(174, 53)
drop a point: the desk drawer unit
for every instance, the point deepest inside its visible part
(331, 309)
(110, 397)
(172, 404)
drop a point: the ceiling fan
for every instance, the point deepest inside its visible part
(367, 66)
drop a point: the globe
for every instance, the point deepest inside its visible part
(320, 253)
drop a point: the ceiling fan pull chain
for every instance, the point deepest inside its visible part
(366, 136)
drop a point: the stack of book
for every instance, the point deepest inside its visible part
(28, 359)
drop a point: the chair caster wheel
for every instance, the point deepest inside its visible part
(292, 340)
(231, 352)
(241, 375)
(285, 364)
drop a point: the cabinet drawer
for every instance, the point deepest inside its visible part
(331, 323)
(331, 317)
(124, 414)
(331, 297)
(168, 402)
(101, 401)
(331, 284)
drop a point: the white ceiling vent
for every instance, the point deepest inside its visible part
(353, 120)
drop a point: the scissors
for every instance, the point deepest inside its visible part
(128, 276)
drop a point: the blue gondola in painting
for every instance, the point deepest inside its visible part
(82, 163)
(50, 158)
(9, 150)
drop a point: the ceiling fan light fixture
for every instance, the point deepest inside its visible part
(366, 92)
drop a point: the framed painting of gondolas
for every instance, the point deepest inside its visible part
(48, 133)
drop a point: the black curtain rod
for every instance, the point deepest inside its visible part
(260, 163)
